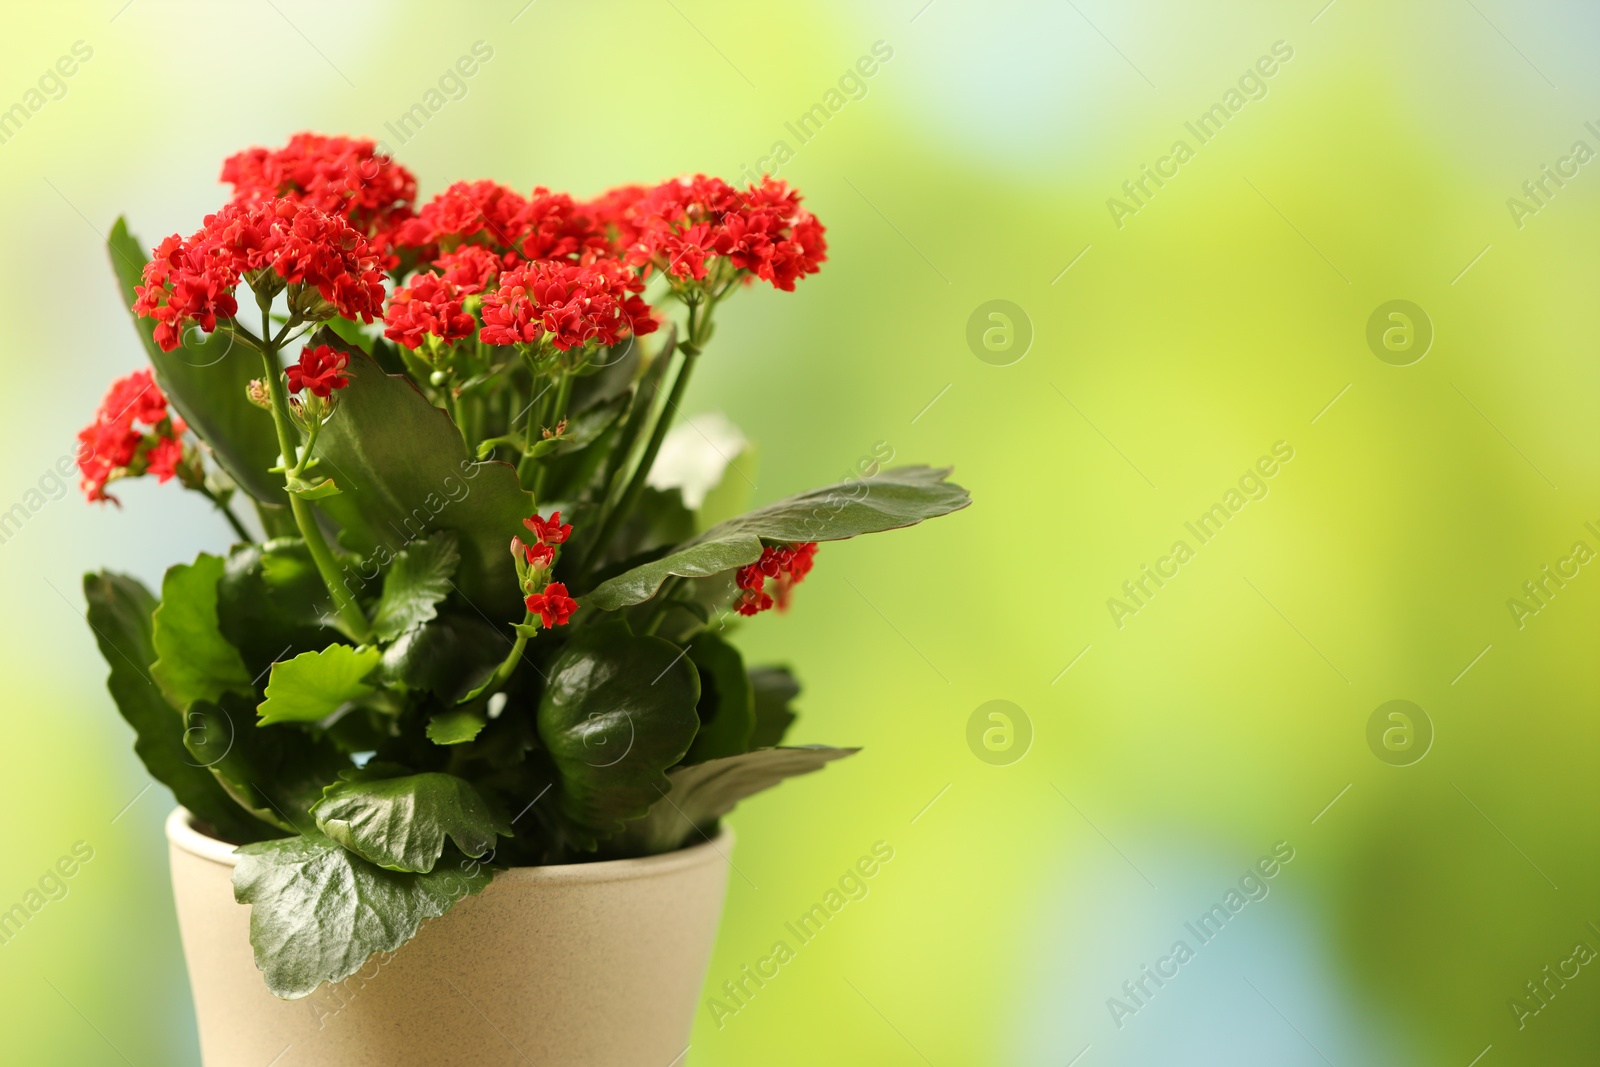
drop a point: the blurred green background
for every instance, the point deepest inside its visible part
(1228, 313)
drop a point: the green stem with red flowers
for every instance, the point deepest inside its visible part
(699, 327)
(352, 619)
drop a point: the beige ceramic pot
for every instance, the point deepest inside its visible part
(592, 964)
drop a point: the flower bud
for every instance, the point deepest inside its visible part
(258, 394)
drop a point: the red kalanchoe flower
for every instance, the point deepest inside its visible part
(113, 446)
(540, 556)
(753, 602)
(613, 215)
(277, 242)
(552, 226)
(321, 370)
(341, 176)
(429, 305)
(551, 531)
(574, 304)
(553, 606)
(473, 268)
(484, 211)
(786, 565)
(163, 458)
(682, 224)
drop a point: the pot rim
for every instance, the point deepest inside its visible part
(182, 834)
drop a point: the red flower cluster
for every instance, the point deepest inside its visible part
(113, 446)
(547, 534)
(274, 242)
(341, 176)
(473, 267)
(431, 304)
(321, 370)
(553, 606)
(682, 224)
(787, 566)
(464, 210)
(573, 303)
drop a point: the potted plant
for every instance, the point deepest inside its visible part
(468, 672)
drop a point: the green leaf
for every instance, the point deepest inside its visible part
(726, 709)
(206, 382)
(313, 490)
(891, 500)
(449, 656)
(617, 711)
(314, 685)
(774, 688)
(416, 581)
(405, 472)
(584, 428)
(272, 603)
(274, 774)
(119, 612)
(194, 661)
(318, 911)
(456, 727)
(401, 823)
(703, 793)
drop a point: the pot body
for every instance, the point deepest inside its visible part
(596, 964)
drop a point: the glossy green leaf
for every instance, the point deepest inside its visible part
(274, 774)
(313, 490)
(405, 473)
(414, 584)
(314, 685)
(272, 603)
(401, 823)
(206, 382)
(456, 727)
(891, 500)
(726, 708)
(119, 611)
(617, 711)
(449, 656)
(194, 661)
(773, 689)
(318, 911)
(703, 793)
(584, 428)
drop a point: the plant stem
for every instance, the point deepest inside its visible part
(630, 496)
(502, 673)
(558, 414)
(354, 620)
(227, 512)
(663, 604)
